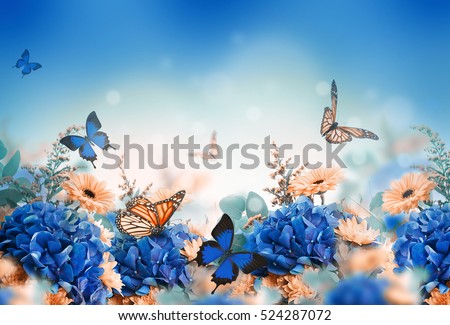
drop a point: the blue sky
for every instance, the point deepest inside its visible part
(155, 69)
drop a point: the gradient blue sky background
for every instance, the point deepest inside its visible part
(155, 69)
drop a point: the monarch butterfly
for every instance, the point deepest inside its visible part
(144, 218)
(339, 134)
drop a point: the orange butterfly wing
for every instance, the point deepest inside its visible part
(166, 208)
(133, 225)
(338, 136)
(141, 206)
(334, 97)
(327, 121)
(359, 133)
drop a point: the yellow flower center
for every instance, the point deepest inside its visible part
(408, 193)
(87, 192)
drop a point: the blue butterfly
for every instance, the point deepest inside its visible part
(84, 144)
(26, 65)
(231, 262)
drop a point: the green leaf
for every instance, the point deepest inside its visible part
(238, 243)
(233, 205)
(12, 204)
(3, 150)
(256, 205)
(11, 195)
(377, 201)
(11, 167)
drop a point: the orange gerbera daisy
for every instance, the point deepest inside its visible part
(316, 181)
(406, 193)
(92, 194)
(352, 231)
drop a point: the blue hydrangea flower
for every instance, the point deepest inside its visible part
(296, 235)
(6, 294)
(58, 244)
(358, 290)
(424, 243)
(152, 261)
(218, 300)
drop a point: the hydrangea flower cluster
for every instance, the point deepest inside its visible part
(424, 243)
(296, 235)
(57, 244)
(152, 261)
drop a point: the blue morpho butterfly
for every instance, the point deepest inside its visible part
(230, 262)
(93, 136)
(25, 64)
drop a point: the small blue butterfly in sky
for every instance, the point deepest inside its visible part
(84, 145)
(26, 65)
(230, 262)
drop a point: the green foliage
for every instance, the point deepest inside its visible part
(3, 150)
(377, 201)
(13, 188)
(233, 205)
(10, 169)
(439, 161)
(254, 207)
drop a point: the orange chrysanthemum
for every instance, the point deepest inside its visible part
(59, 298)
(11, 272)
(191, 248)
(406, 193)
(295, 289)
(438, 298)
(244, 286)
(110, 278)
(316, 181)
(89, 192)
(352, 231)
